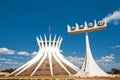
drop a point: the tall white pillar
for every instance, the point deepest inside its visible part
(90, 68)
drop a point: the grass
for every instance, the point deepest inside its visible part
(57, 78)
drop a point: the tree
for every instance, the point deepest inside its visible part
(8, 70)
(115, 71)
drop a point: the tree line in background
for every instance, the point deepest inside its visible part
(8, 70)
(113, 71)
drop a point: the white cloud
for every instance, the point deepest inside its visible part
(109, 66)
(78, 61)
(24, 53)
(61, 51)
(12, 62)
(16, 57)
(34, 53)
(116, 46)
(74, 52)
(114, 17)
(2, 59)
(8, 63)
(105, 62)
(106, 59)
(6, 51)
(108, 62)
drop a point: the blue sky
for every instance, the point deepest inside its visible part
(22, 20)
